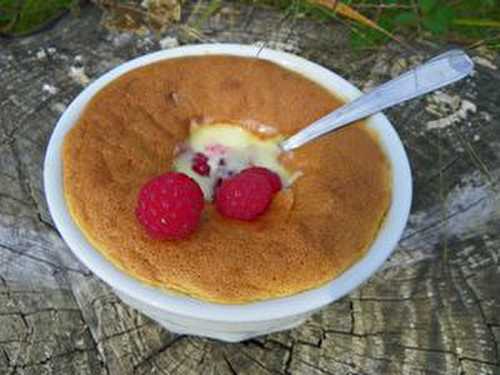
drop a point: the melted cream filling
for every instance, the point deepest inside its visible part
(229, 149)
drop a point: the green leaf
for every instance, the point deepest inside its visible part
(427, 5)
(406, 18)
(213, 6)
(35, 13)
(439, 21)
(475, 22)
(488, 3)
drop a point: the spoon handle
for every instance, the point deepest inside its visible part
(440, 71)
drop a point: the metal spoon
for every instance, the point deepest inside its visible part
(440, 71)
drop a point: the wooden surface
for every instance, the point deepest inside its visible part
(433, 309)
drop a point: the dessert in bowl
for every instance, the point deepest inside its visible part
(343, 203)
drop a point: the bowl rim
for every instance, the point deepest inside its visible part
(301, 303)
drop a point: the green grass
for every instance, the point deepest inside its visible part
(460, 21)
(24, 16)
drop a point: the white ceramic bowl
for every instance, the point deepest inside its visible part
(230, 322)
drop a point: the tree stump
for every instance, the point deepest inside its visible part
(433, 309)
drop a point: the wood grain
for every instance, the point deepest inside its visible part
(433, 309)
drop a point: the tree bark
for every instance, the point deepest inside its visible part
(433, 309)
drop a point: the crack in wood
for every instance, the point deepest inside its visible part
(278, 343)
(289, 358)
(204, 353)
(6, 355)
(56, 356)
(22, 175)
(255, 342)
(257, 362)
(475, 360)
(477, 301)
(321, 370)
(349, 351)
(53, 265)
(351, 313)
(458, 273)
(158, 352)
(249, 17)
(10, 137)
(443, 169)
(428, 350)
(229, 365)
(16, 200)
(92, 334)
(410, 298)
(439, 222)
(125, 332)
(25, 314)
(316, 345)
(48, 225)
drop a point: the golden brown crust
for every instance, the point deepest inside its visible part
(313, 231)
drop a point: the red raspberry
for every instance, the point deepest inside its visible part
(272, 177)
(245, 196)
(200, 164)
(169, 206)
